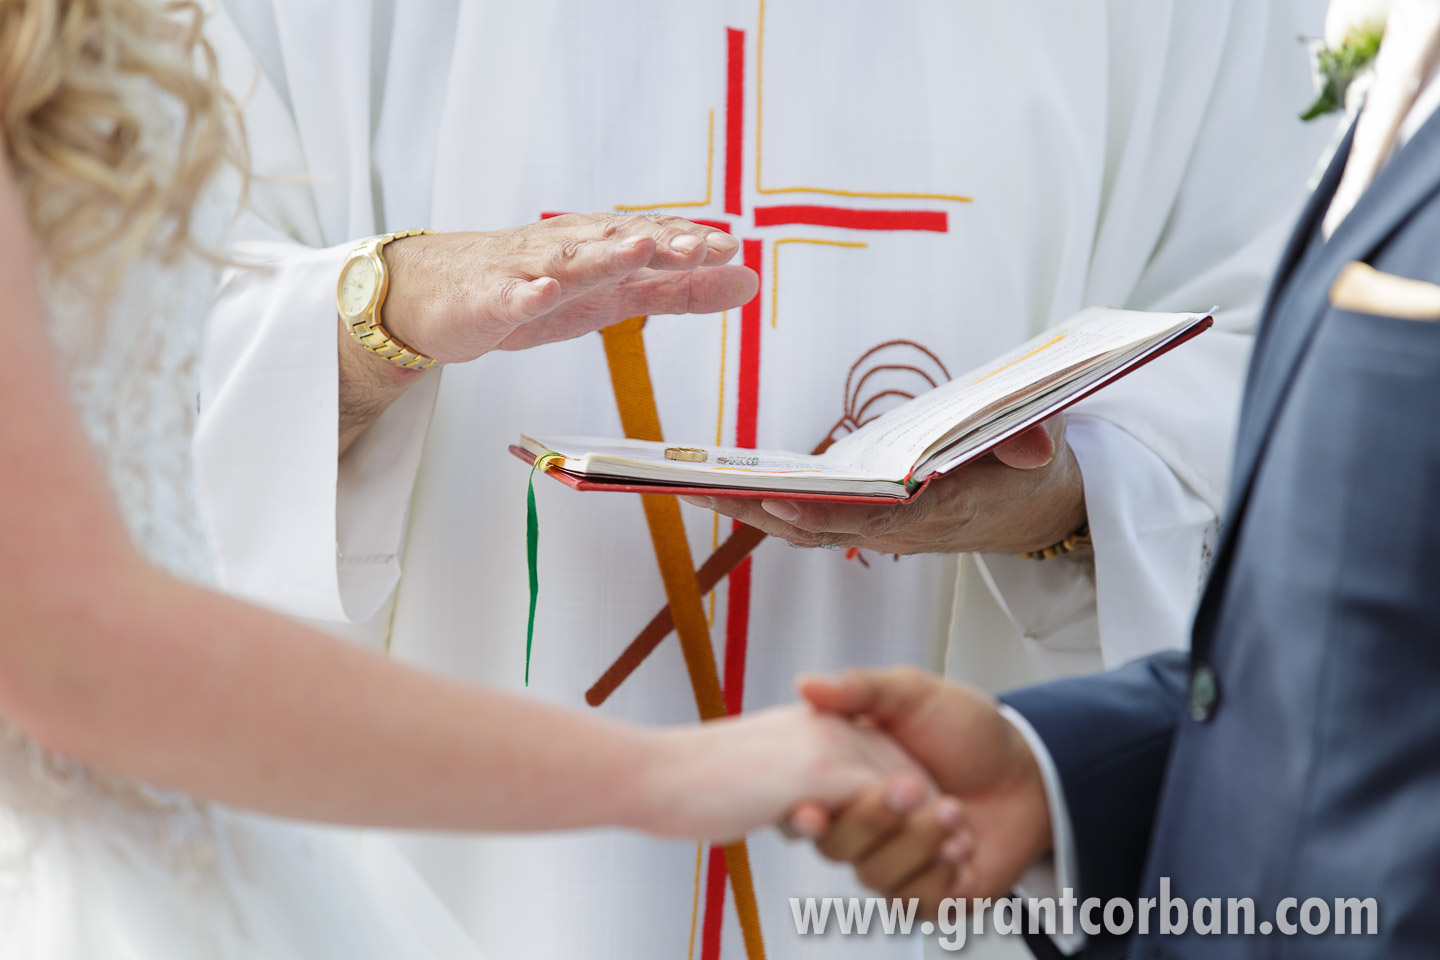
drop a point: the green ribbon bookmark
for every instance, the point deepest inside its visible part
(532, 553)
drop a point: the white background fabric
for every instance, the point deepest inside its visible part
(1139, 155)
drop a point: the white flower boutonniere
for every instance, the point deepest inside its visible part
(1343, 63)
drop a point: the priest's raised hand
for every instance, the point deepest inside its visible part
(454, 297)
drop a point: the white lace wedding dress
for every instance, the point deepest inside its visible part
(93, 867)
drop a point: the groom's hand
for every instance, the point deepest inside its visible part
(1027, 495)
(904, 846)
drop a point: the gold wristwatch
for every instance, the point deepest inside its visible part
(364, 281)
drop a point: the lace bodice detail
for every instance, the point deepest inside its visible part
(133, 371)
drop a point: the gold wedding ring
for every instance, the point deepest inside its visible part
(690, 454)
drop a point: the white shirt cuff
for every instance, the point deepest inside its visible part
(1058, 872)
(1150, 534)
(292, 527)
(376, 479)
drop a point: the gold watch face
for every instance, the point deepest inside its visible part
(358, 283)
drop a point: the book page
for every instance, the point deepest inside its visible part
(720, 467)
(893, 444)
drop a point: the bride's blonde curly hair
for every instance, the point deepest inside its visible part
(114, 122)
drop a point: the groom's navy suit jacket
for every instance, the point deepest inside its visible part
(1296, 751)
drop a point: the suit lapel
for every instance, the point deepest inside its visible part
(1296, 302)
(1300, 242)
(1401, 186)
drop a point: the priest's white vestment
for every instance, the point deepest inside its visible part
(955, 176)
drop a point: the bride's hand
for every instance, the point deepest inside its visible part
(719, 780)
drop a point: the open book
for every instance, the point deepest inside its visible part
(892, 456)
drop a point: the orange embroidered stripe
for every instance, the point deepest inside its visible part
(709, 174)
(695, 906)
(1043, 346)
(640, 418)
(775, 269)
(759, 147)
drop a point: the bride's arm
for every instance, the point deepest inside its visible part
(106, 660)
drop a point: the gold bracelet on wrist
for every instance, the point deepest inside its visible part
(375, 339)
(1078, 540)
(364, 283)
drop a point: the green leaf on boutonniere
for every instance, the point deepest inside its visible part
(1336, 69)
(1327, 102)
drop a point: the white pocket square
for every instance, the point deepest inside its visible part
(1363, 289)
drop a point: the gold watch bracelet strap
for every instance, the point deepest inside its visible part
(374, 337)
(1077, 541)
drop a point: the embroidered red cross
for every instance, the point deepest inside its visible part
(835, 216)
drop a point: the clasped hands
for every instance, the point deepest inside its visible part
(921, 784)
(967, 824)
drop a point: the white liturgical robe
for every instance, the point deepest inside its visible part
(947, 177)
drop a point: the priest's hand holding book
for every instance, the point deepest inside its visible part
(977, 464)
(1025, 495)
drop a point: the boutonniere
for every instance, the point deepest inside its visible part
(1343, 63)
